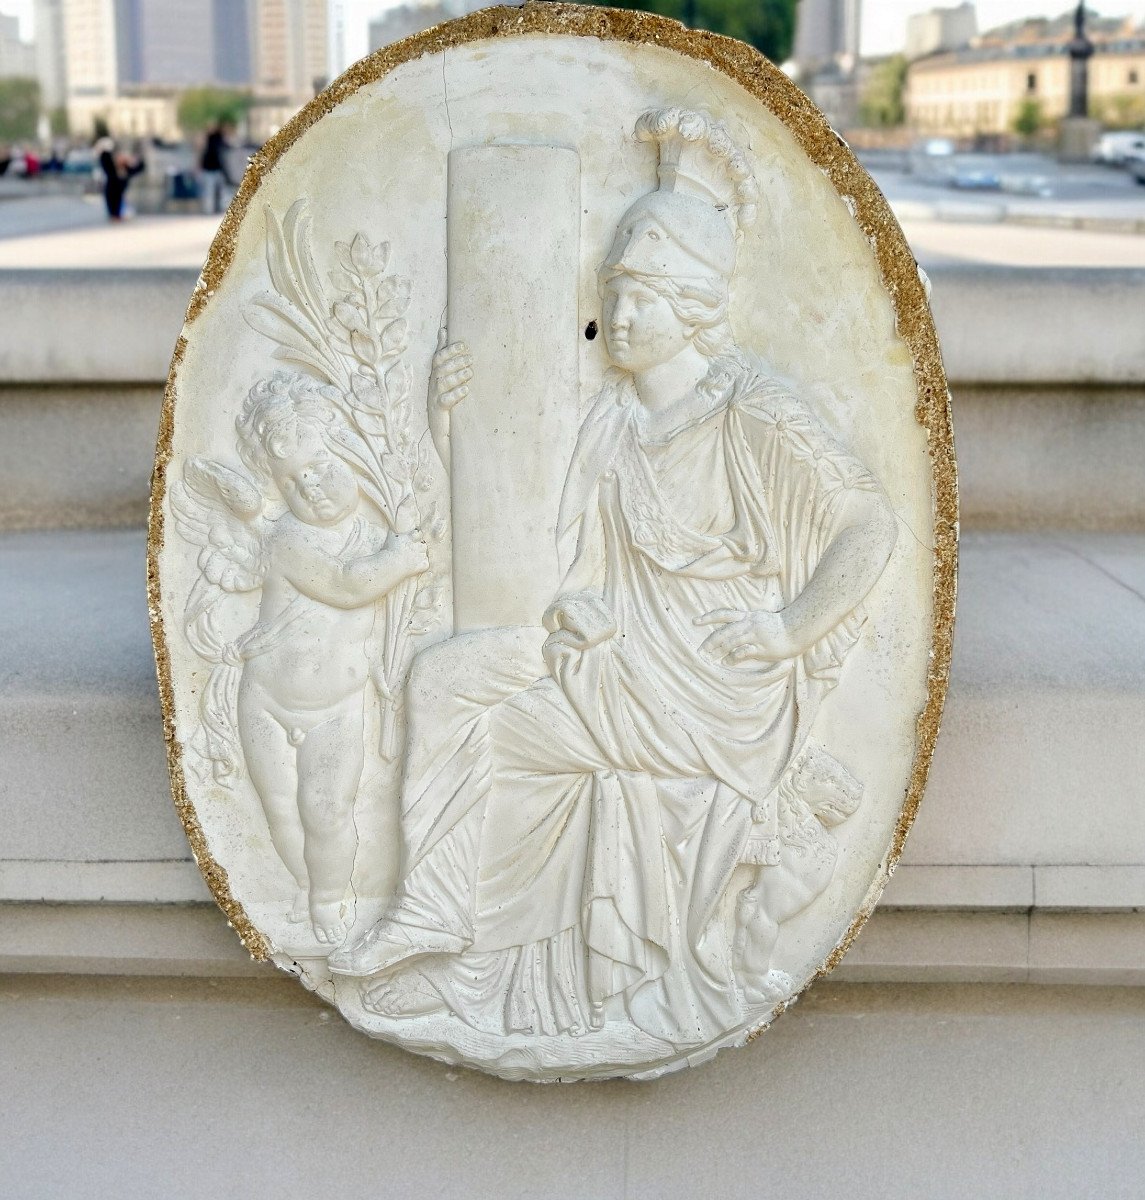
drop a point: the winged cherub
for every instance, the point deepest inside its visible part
(289, 693)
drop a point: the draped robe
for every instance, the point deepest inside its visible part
(569, 834)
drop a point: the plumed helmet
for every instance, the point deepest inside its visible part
(691, 225)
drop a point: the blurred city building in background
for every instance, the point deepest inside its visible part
(825, 61)
(17, 58)
(940, 29)
(407, 19)
(51, 68)
(123, 64)
(166, 70)
(1017, 78)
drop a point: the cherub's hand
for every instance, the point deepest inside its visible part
(409, 554)
(748, 636)
(450, 374)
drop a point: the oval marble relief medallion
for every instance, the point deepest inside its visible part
(553, 546)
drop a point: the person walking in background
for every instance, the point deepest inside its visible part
(214, 169)
(118, 171)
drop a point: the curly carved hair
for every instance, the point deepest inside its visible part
(276, 411)
(699, 302)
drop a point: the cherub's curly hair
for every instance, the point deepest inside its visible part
(273, 413)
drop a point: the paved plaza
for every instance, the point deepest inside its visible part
(62, 232)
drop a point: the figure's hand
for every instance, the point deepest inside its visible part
(748, 636)
(575, 623)
(450, 374)
(408, 553)
(583, 617)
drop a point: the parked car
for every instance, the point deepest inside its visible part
(1117, 148)
(79, 161)
(970, 179)
(1135, 165)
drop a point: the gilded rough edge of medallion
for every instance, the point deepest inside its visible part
(897, 267)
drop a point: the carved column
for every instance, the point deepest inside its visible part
(514, 256)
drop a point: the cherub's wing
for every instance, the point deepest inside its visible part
(220, 510)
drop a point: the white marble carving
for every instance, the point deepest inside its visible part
(549, 696)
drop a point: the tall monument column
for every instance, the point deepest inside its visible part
(1079, 133)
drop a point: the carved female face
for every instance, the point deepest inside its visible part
(317, 485)
(641, 329)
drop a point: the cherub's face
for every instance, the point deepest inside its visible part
(640, 329)
(317, 485)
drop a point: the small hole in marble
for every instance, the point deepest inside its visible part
(590, 330)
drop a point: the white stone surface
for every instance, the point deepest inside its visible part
(102, 446)
(970, 1084)
(123, 324)
(1014, 325)
(1021, 660)
(84, 935)
(613, 852)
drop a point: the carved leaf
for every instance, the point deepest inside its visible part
(309, 362)
(350, 317)
(274, 320)
(399, 381)
(395, 467)
(283, 272)
(371, 423)
(395, 336)
(393, 296)
(368, 396)
(280, 321)
(364, 347)
(341, 281)
(297, 234)
(369, 260)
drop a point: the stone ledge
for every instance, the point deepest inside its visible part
(1091, 949)
(47, 881)
(1035, 947)
(77, 326)
(997, 324)
(1089, 887)
(1050, 457)
(1040, 762)
(920, 887)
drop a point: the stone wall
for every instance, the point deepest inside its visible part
(986, 1034)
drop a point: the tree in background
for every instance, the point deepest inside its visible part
(19, 109)
(768, 25)
(200, 108)
(1028, 120)
(881, 104)
(1123, 111)
(58, 122)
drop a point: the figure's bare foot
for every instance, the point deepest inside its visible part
(330, 921)
(388, 944)
(407, 994)
(300, 909)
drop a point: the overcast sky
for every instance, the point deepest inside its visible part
(884, 21)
